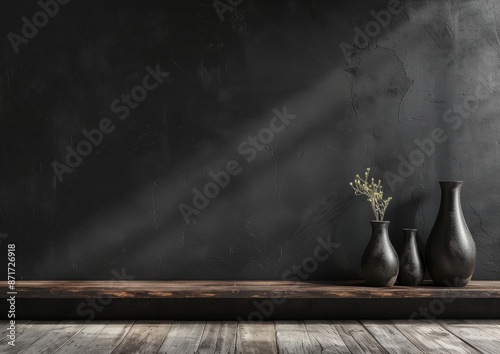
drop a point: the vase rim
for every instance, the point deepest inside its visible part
(456, 182)
(380, 221)
(405, 229)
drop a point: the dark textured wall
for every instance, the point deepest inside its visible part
(352, 100)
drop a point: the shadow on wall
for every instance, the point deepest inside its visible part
(223, 241)
(270, 215)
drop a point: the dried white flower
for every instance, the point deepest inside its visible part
(374, 193)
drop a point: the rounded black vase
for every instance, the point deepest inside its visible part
(450, 251)
(411, 263)
(380, 264)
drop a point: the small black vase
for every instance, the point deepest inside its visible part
(450, 251)
(380, 264)
(411, 263)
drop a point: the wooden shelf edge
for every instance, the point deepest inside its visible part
(243, 289)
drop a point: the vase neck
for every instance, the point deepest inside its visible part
(450, 195)
(380, 229)
(410, 235)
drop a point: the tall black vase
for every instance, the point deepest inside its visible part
(380, 264)
(450, 251)
(411, 263)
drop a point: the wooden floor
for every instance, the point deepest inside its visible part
(398, 336)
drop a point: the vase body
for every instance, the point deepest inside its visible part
(450, 251)
(411, 263)
(380, 264)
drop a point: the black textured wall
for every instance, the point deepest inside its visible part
(112, 112)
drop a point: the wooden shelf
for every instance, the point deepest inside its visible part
(232, 299)
(245, 289)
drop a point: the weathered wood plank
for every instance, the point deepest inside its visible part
(357, 338)
(183, 337)
(292, 338)
(226, 343)
(396, 336)
(29, 334)
(19, 331)
(5, 324)
(390, 338)
(474, 334)
(82, 339)
(219, 337)
(244, 289)
(209, 338)
(429, 337)
(227, 300)
(490, 326)
(324, 336)
(55, 338)
(145, 337)
(256, 338)
(109, 337)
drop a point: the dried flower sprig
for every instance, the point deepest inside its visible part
(374, 193)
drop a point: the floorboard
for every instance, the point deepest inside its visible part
(4, 329)
(292, 338)
(478, 334)
(390, 338)
(357, 338)
(145, 337)
(256, 338)
(82, 339)
(217, 337)
(325, 337)
(29, 334)
(183, 337)
(430, 337)
(54, 339)
(109, 337)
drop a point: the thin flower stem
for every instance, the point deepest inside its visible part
(374, 193)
